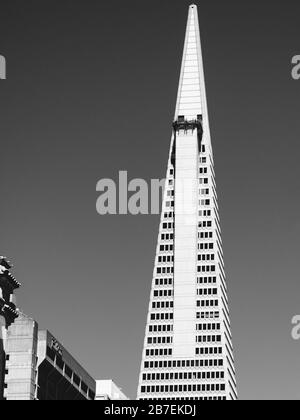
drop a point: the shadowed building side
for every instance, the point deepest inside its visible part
(60, 376)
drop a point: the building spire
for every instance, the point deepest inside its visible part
(191, 98)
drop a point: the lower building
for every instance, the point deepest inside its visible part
(34, 365)
(8, 312)
(38, 367)
(108, 390)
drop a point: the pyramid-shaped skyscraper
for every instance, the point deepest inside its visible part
(188, 351)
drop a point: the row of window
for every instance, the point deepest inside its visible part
(206, 268)
(162, 305)
(206, 280)
(179, 376)
(205, 245)
(208, 315)
(178, 364)
(167, 236)
(205, 292)
(160, 340)
(182, 388)
(199, 327)
(158, 352)
(160, 328)
(164, 282)
(170, 258)
(170, 305)
(166, 259)
(163, 293)
(169, 215)
(204, 213)
(168, 226)
(204, 202)
(208, 351)
(203, 181)
(204, 303)
(204, 191)
(166, 248)
(208, 339)
(206, 257)
(200, 280)
(205, 224)
(205, 235)
(170, 204)
(208, 327)
(165, 270)
(162, 317)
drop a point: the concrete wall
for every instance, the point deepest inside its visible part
(21, 348)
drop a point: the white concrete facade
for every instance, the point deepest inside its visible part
(21, 350)
(187, 349)
(185, 243)
(108, 390)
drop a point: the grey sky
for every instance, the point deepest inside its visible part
(91, 90)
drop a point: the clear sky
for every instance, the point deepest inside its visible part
(91, 91)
